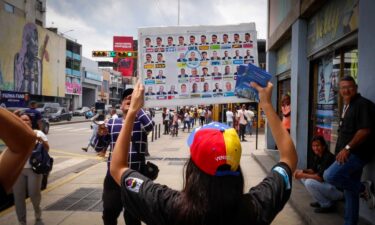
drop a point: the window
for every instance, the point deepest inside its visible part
(327, 102)
(8, 7)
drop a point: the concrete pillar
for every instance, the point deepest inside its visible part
(366, 76)
(300, 91)
(271, 68)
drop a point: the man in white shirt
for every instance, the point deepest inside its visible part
(229, 115)
(250, 116)
(241, 116)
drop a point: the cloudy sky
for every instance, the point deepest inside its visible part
(95, 22)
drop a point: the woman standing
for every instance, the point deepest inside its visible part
(285, 109)
(29, 182)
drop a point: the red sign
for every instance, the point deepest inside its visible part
(124, 65)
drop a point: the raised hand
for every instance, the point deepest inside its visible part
(137, 98)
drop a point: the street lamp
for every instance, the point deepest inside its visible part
(66, 32)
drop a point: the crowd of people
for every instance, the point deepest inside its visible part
(213, 183)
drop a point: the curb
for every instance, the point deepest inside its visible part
(68, 122)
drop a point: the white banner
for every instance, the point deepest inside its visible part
(194, 65)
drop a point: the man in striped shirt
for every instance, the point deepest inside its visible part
(112, 205)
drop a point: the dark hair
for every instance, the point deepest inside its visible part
(207, 199)
(285, 100)
(320, 139)
(126, 93)
(348, 78)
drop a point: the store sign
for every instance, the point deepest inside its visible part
(13, 99)
(335, 20)
(283, 58)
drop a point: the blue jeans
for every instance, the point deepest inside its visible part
(249, 127)
(230, 124)
(347, 176)
(322, 192)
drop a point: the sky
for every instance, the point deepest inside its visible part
(93, 23)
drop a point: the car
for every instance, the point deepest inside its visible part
(59, 115)
(43, 107)
(45, 122)
(81, 111)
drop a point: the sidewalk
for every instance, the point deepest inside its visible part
(77, 199)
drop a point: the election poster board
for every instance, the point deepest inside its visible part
(193, 65)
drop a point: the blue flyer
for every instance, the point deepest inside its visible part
(247, 74)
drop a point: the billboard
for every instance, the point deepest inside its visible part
(123, 65)
(73, 85)
(14, 99)
(32, 59)
(190, 65)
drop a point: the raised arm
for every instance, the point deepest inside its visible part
(119, 162)
(20, 141)
(282, 138)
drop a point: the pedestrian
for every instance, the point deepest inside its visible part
(208, 115)
(35, 115)
(242, 121)
(113, 114)
(165, 116)
(29, 182)
(354, 149)
(229, 116)
(186, 121)
(324, 194)
(14, 156)
(213, 182)
(140, 127)
(286, 110)
(250, 117)
(202, 116)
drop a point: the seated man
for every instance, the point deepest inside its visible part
(324, 193)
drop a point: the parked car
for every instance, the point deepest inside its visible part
(50, 106)
(45, 122)
(61, 114)
(81, 111)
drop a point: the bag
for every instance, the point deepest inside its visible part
(40, 160)
(150, 170)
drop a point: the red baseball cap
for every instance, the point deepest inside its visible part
(215, 146)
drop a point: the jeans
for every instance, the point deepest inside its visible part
(322, 192)
(242, 131)
(347, 176)
(230, 123)
(112, 204)
(249, 127)
(27, 182)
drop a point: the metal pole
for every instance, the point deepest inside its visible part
(152, 135)
(156, 133)
(256, 129)
(159, 130)
(178, 13)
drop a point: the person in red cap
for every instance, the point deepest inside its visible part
(213, 183)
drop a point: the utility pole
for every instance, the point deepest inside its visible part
(178, 13)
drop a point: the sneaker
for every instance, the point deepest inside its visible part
(315, 204)
(368, 194)
(84, 149)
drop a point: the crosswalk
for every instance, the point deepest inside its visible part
(70, 129)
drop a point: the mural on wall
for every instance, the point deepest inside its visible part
(32, 58)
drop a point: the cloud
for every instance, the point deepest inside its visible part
(95, 22)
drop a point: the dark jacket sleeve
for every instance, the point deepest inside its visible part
(146, 200)
(270, 196)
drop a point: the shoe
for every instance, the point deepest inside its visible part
(244, 140)
(315, 204)
(368, 194)
(324, 209)
(84, 149)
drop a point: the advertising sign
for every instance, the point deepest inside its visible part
(194, 64)
(14, 99)
(73, 86)
(124, 65)
(32, 58)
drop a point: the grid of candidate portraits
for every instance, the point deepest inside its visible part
(194, 65)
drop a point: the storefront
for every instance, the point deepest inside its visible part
(328, 40)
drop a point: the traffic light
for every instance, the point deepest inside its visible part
(99, 53)
(127, 54)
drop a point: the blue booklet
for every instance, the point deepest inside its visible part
(247, 74)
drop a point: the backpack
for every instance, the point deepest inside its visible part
(40, 161)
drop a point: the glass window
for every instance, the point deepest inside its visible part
(327, 102)
(8, 7)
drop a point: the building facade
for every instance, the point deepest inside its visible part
(311, 45)
(73, 76)
(91, 82)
